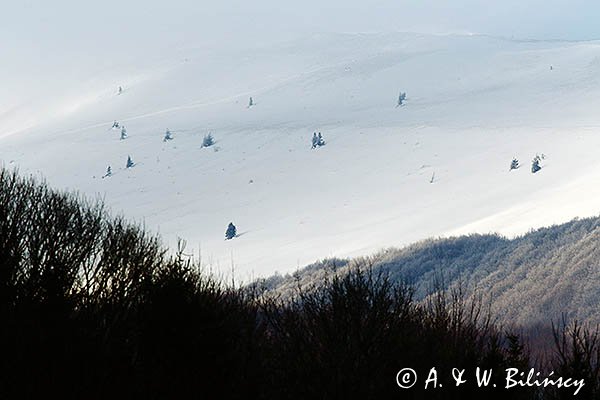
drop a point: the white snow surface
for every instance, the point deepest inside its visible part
(473, 103)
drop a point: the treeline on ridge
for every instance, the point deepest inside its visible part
(531, 279)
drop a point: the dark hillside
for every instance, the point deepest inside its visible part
(93, 307)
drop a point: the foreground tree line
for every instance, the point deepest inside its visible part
(92, 306)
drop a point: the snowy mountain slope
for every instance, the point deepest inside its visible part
(474, 102)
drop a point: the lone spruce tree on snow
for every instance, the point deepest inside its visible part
(320, 141)
(535, 165)
(514, 164)
(123, 133)
(250, 102)
(208, 141)
(231, 231)
(130, 162)
(108, 172)
(315, 140)
(168, 136)
(401, 98)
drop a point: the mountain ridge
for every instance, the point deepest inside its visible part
(531, 280)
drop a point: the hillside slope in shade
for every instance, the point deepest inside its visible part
(532, 279)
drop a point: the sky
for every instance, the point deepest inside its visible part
(78, 25)
(43, 42)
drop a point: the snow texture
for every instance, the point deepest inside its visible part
(474, 104)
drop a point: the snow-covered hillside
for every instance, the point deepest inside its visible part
(473, 103)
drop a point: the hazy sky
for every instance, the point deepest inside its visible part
(40, 36)
(79, 23)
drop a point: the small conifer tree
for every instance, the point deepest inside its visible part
(320, 141)
(535, 165)
(315, 140)
(401, 98)
(208, 141)
(231, 231)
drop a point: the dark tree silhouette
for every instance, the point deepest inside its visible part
(320, 140)
(401, 98)
(514, 164)
(535, 165)
(208, 140)
(315, 140)
(231, 231)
